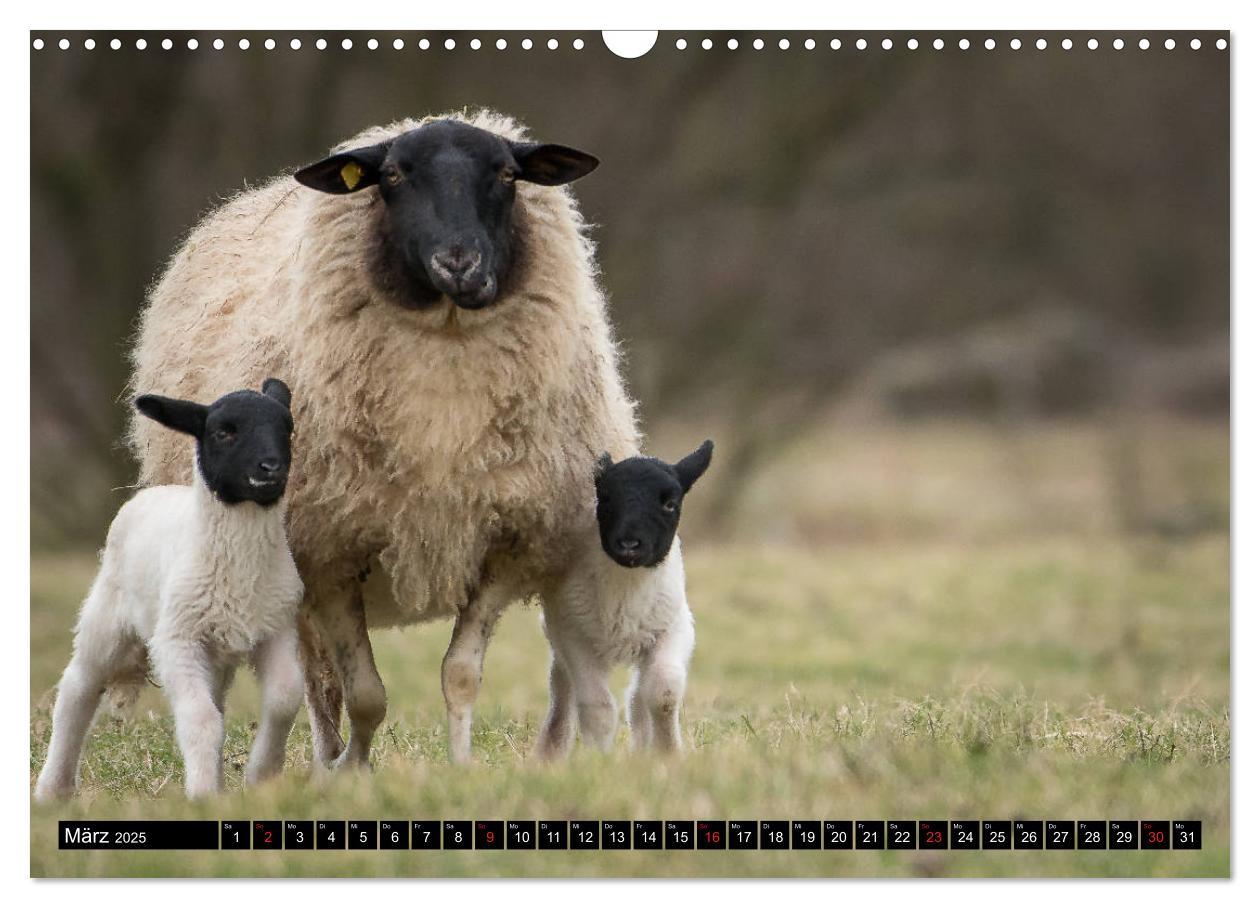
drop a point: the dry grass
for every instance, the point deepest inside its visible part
(926, 674)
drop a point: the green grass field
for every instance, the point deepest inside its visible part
(1057, 675)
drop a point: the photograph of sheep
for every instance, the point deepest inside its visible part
(773, 426)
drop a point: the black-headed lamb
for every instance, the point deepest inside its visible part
(193, 580)
(431, 288)
(625, 602)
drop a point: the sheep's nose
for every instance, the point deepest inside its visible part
(456, 261)
(270, 465)
(628, 545)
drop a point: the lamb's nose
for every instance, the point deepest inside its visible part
(629, 545)
(270, 465)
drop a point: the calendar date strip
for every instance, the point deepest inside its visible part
(627, 835)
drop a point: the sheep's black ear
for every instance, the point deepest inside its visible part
(277, 390)
(180, 415)
(551, 165)
(603, 464)
(347, 171)
(692, 467)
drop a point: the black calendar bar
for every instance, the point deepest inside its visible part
(339, 836)
(126, 835)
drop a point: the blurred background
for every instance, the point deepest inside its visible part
(912, 294)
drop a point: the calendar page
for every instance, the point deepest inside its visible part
(378, 377)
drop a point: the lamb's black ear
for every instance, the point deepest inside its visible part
(180, 415)
(602, 465)
(551, 165)
(346, 171)
(277, 390)
(692, 467)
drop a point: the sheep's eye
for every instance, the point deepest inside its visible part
(507, 175)
(393, 176)
(670, 505)
(224, 435)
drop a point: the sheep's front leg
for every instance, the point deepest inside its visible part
(461, 667)
(661, 682)
(188, 677)
(558, 729)
(280, 683)
(343, 625)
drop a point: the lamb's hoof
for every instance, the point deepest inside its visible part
(200, 792)
(257, 776)
(51, 794)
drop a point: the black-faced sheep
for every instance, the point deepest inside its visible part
(625, 602)
(436, 301)
(194, 579)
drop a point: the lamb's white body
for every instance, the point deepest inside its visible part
(604, 615)
(191, 587)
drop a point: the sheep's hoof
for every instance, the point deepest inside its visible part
(349, 762)
(550, 754)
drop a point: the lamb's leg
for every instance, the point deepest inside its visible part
(461, 667)
(343, 626)
(662, 681)
(588, 678)
(638, 713)
(323, 692)
(187, 676)
(558, 729)
(596, 706)
(280, 683)
(78, 695)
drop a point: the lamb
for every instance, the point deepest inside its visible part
(626, 603)
(431, 288)
(193, 579)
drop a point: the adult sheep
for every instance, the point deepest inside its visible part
(434, 305)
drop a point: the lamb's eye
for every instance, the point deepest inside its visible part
(669, 505)
(224, 435)
(507, 175)
(393, 176)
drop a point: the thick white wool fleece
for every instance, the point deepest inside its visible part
(447, 443)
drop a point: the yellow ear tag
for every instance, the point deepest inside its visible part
(351, 174)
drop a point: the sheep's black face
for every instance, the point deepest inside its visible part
(243, 440)
(449, 190)
(638, 503)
